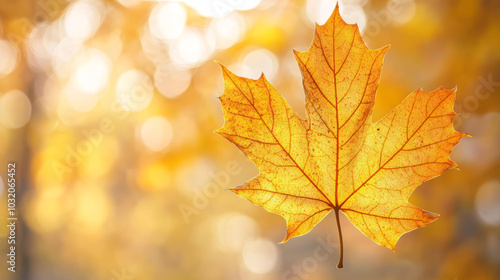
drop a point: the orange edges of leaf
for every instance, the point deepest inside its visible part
(337, 159)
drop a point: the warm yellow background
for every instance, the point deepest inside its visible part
(108, 108)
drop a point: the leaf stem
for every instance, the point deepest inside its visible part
(341, 259)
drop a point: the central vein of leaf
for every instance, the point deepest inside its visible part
(337, 208)
(338, 129)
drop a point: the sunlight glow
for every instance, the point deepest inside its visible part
(233, 230)
(171, 82)
(63, 54)
(227, 30)
(134, 90)
(218, 8)
(488, 203)
(9, 55)
(260, 256)
(80, 101)
(259, 61)
(192, 48)
(406, 10)
(91, 208)
(91, 76)
(45, 212)
(167, 20)
(81, 20)
(15, 109)
(156, 133)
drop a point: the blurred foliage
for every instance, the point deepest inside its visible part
(108, 108)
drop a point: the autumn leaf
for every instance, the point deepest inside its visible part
(337, 159)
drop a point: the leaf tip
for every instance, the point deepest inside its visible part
(453, 165)
(218, 62)
(222, 66)
(285, 240)
(393, 248)
(234, 190)
(217, 131)
(336, 11)
(383, 50)
(463, 134)
(431, 216)
(262, 76)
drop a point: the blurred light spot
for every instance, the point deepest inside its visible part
(192, 48)
(134, 90)
(1, 184)
(15, 109)
(171, 82)
(36, 55)
(227, 30)
(154, 177)
(244, 4)
(354, 14)
(63, 54)
(91, 75)
(81, 20)
(194, 173)
(268, 4)
(488, 203)
(129, 3)
(210, 8)
(351, 11)
(319, 10)
(45, 175)
(403, 10)
(260, 256)
(233, 231)
(45, 211)
(92, 208)
(153, 48)
(52, 35)
(218, 8)
(103, 157)
(167, 20)
(156, 133)
(8, 54)
(259, 61)
(80, 101)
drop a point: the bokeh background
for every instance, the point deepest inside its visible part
(108, 107)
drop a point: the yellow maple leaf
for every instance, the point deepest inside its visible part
(337, 159)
